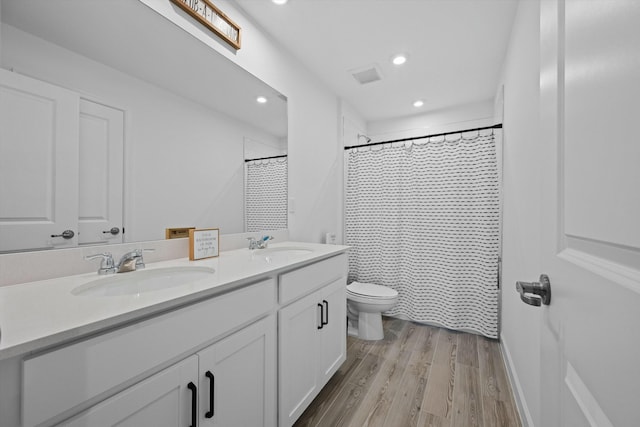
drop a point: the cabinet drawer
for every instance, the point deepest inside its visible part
(59, 380)
(304, 280)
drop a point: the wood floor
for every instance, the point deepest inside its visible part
(417, 376)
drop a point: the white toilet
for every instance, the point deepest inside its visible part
(365, 304)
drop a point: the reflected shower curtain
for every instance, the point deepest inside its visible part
(266, 195)
(424, 219)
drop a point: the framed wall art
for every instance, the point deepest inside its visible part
(213, 18)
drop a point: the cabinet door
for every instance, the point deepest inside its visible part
(38, 164)
(298, 357)
(163, 400)
(238, 378)
(101, 173)
(333, 334)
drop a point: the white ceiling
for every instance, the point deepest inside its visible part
(456, 48)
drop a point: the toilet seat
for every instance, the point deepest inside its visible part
(370, 292)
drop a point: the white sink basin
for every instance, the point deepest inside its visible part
(279, 253)
(137, 282)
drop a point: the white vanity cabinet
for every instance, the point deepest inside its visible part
(231, 382)
(163, 400)
(311, 333)
(66, 381)
(252, 351)
(237, 378)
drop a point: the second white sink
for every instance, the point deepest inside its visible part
(279, 253)
(142, 281)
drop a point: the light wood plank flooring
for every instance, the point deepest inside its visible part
(417, 376)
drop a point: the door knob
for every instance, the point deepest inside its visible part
(114, 231)
(535, 293)
(66, 234)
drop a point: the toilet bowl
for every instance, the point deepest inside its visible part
(365, 304)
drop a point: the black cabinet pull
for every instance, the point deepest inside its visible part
(194, 404)
(326, 303)
(212, 383)
(321, 316)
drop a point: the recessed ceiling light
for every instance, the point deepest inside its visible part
(279, 2)
(261, 100)
(399, 59)
(418, 103)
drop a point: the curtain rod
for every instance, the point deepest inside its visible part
(498, 126)
(264, 158)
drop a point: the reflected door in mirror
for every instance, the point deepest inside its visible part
(61, 167)
(101, 174)
(38, 164)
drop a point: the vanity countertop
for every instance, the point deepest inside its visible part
(37, 315)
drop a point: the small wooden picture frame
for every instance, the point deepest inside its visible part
(204, 243)
(207, 14)
(177, 233)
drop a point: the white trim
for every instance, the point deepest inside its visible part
(585, 400)
(617, 273)
(521, 402)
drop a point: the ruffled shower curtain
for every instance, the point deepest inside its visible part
(266, 195)
(424, 219)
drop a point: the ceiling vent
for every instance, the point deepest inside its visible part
(368, 74)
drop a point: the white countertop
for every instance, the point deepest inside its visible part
(37, 315)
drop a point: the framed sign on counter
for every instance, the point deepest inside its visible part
(203, 243)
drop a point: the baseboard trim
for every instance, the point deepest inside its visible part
(521, 404)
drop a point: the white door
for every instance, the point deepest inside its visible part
(238, 378)
(167, 399)
(334, 329)
(101, 174)
(298, 357)
(38, 164)
(590, 107)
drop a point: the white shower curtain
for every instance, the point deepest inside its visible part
(266, 195)
(424, 219)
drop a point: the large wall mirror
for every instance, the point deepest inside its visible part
(119, 125)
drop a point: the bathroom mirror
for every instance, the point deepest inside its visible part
(266, 169)
(188, 116)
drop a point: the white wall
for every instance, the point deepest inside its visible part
(521, 213)
(352, 124)
(468, 116)
(176, 149)
(256, 149)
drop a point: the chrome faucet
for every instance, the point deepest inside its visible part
(131, 261)
(261, 243)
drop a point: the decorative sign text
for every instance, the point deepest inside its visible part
(212, 18)
(203, 243)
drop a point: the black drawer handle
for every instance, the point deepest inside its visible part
(194, 404)
(320, 326)
(212, 382)
(326, 303)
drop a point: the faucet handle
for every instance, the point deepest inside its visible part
(263, 242)
(253, 243)
(139, 259)
(107, 266)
